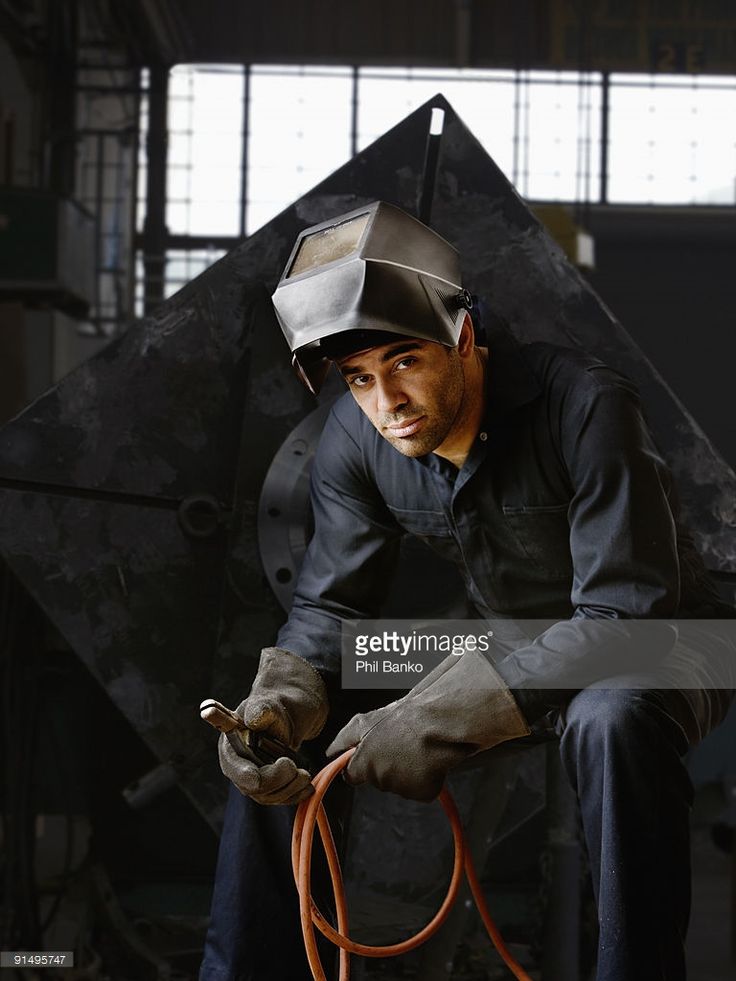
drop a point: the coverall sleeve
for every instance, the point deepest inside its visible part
(623, 543)
(350, 559)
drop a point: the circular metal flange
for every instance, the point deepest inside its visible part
(284, 515)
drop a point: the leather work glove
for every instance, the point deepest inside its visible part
(407, 747)
(288, 701)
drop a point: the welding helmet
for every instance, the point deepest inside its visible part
(358, 280)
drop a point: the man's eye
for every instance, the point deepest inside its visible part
(359, 381)
(404, 363)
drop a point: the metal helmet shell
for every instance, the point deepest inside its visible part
(373, 269)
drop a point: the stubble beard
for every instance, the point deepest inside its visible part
(440, 418)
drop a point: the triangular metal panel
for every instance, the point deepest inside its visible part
(195, 402)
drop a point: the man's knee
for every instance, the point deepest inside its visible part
(599, 719)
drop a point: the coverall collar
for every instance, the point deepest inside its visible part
(510, 380)
(511, 383)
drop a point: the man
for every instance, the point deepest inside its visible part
(532, 470)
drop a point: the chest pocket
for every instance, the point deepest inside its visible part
(544, 535)
(424, 524)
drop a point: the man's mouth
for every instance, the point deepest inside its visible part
(403, 429)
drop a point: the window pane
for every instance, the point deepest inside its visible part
(673, 140)
(183, 265)
(139, 288)
(483, 100)
(299, 132)
(541, 128)
(560, 155)
(142, 158)
(205, 149)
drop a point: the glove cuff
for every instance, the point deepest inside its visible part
(290, 686)
(509, 721)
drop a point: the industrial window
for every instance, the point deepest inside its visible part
(484, 100)
(142, 151)
(672, 140)
(541, 128)
(246, 141)
(204, 152)
(298, 133)
(183, 265)
(560, 140)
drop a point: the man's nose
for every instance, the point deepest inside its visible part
(389, 395)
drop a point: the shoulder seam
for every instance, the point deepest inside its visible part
(347, 432)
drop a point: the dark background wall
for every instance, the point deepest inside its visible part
(669, 275)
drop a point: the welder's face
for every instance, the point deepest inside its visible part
(410, 390)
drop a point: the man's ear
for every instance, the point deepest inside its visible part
(466, 340)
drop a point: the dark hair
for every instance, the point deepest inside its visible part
(338, 346)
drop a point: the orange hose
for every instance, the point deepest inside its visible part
(310, 815)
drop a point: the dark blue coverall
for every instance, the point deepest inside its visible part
(563, 510)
